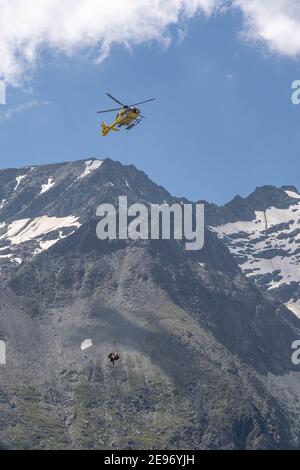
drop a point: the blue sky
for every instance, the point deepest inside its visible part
(223, 122)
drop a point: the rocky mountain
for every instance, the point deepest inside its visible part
(262, 232)
(205, 353)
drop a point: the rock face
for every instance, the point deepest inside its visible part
(205, 355)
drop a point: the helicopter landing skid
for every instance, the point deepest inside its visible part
(133, 124)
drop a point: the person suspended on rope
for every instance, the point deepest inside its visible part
(113, 357)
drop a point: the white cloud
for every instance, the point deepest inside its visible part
(72, 26)
(22, 108)
(274, 22)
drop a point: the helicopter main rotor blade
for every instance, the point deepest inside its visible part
(109, 110)
(143, 102)
(117, 101)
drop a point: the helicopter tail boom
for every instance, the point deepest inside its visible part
(105, 128)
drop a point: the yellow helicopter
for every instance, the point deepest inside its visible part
(128, 116)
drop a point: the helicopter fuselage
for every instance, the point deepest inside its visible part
(128, 117)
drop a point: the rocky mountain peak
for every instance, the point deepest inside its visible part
(262, 232)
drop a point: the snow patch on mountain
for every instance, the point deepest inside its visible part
(267, 248)
(19, 179)
(86, 344)
(2, 204)
(45, 245)
(292, 194)
(263, 221)
(90, 167)
(29, 237)
(45, 187)
(21, 231)
(6, 256)
(294, 306)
